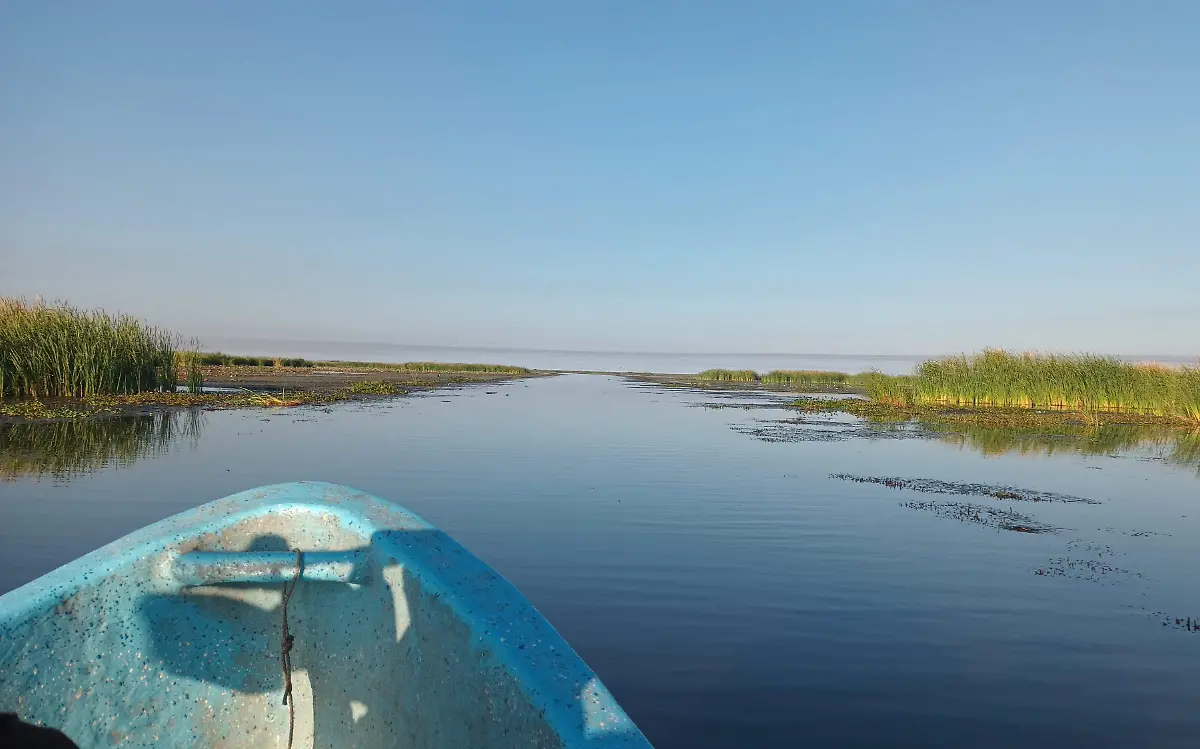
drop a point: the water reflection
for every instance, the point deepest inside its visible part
(1172, 445)
(63, 449)
(1168, 444)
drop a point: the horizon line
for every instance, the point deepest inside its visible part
(522, 349)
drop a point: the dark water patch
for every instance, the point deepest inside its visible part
(746, 396)
(741, 406)
(991, 517)
(774, 431)
(934, 486)
(825, 430)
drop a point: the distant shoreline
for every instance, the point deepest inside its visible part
(253, 344)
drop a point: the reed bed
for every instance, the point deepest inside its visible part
(1080, 382)
(62, 351)
(805, 377)
(809, 378)
(728, 375)
(217, 359)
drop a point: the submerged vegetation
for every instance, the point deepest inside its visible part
(373, 387)
(61, 351)
(937, 486)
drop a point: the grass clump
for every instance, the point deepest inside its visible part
(808, 377)
(62, 351)
(191, 362)
(217, 359)
(728, 375)
(891, 390)
(373, 387)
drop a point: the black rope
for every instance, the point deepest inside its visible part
(285, 649)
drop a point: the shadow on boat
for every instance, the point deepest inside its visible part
(378, 659)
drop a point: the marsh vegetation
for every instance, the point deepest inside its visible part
(1001, 381)
(62, 351)
(1085, 383)
(61, 362)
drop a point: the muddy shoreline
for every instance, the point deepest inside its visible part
(327, 380)
(257, 387)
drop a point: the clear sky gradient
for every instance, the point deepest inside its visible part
(843, 177)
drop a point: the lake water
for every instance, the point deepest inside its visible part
(696, 551)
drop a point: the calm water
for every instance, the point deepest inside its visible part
(706, 565)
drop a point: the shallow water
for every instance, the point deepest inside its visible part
(711, 567)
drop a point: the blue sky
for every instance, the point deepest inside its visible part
(855, 177)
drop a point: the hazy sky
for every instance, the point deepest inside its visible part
(849, 177)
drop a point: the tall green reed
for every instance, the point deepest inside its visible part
(1072, 382)
(805, 377)
(729, 375)
(62, 351)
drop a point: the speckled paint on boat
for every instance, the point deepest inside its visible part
(171, 635)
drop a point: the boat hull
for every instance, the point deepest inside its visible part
(402, 638)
